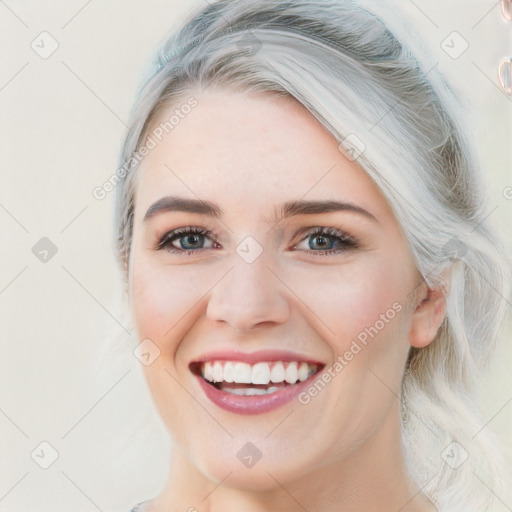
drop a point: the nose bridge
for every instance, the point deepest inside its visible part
(247, 296)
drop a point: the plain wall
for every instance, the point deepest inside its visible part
(68, 374)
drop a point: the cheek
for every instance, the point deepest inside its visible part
(348, 299)
(361, 303)
(164, 298)
(159, 300)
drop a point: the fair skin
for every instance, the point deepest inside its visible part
(249, 154)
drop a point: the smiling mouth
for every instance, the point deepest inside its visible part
(262, 378)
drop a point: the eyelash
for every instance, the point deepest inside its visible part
(344, 239)
(166, 241)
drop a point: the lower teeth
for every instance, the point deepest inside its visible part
(250, 391)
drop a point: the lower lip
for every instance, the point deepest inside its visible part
(255, 404)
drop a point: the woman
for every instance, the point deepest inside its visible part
(303, 233)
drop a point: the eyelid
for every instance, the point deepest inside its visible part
(313, 230)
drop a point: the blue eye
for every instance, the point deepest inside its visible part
(189, 239)
(328, 241)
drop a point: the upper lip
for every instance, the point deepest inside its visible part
(255, 357)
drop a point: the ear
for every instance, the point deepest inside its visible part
(428, 315)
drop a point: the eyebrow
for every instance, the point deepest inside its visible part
(288, 209)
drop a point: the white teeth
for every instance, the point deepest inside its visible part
(218, 373)
(229, 371)
(250, 391)
(291, 373)
(277, 372)
(242, 373)
(303, 371)
(208, 371)
(255, 391)
(235, 391)
(260, 373)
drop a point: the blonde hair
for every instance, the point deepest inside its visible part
(368, 89)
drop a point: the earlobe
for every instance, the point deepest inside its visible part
(427, 317)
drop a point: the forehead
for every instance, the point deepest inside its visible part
(249, 151)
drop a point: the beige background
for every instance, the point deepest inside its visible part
(68, 375)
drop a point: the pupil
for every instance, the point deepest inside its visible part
(192, 239)
(321, 241)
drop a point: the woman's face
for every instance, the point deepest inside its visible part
(296, 265)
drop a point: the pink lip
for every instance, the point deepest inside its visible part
(255, 404)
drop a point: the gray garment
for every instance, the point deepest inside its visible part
(140, 507)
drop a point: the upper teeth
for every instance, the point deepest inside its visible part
(259, 373)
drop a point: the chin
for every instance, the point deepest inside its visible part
(259, 466)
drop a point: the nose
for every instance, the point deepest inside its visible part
(249, 297)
